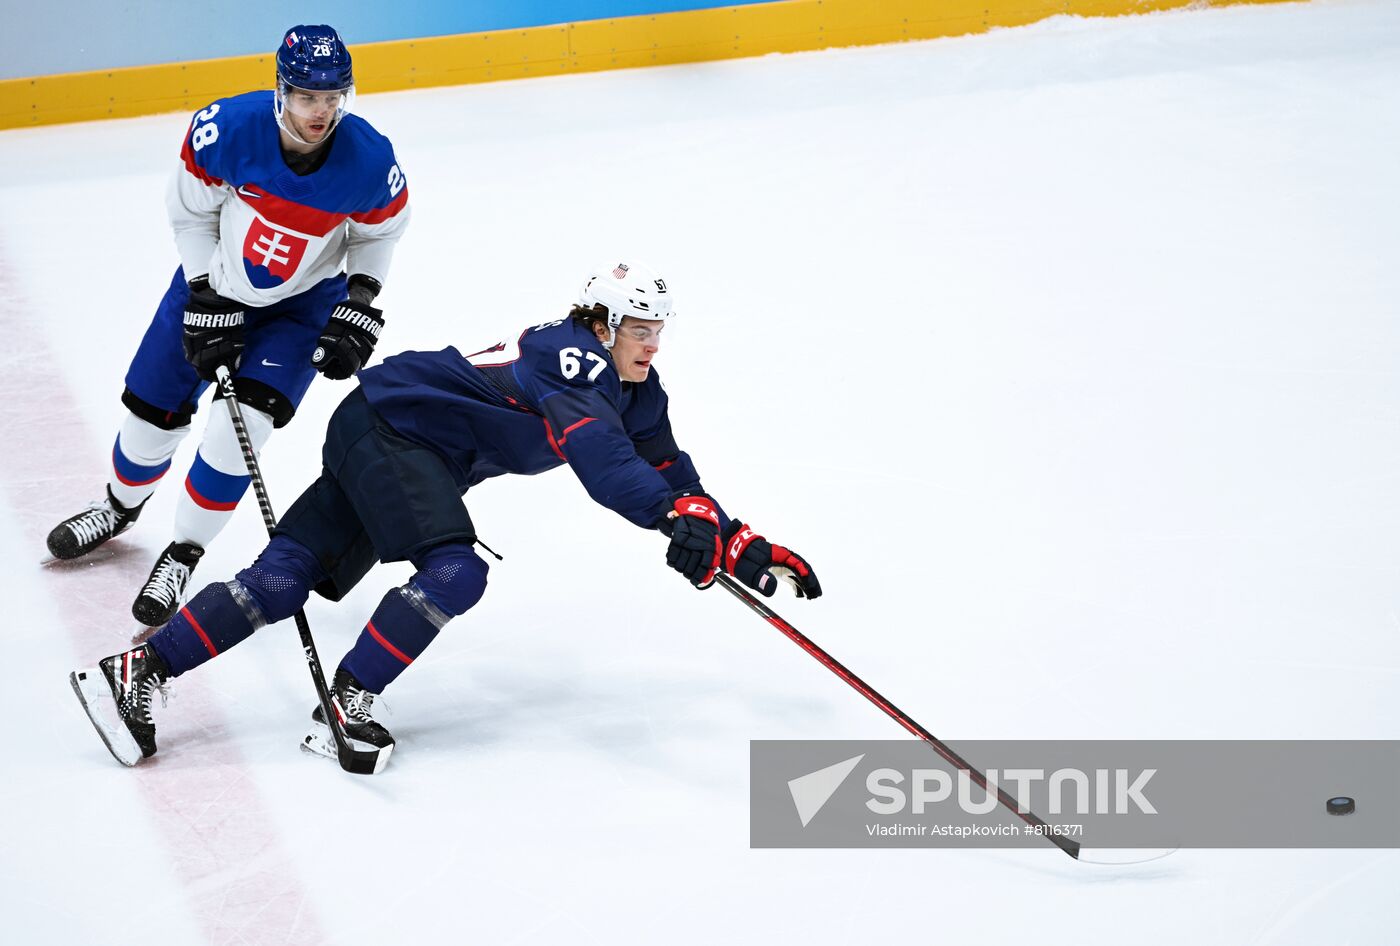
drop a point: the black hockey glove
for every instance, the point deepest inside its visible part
(755, 561)
(695, 542)
(348, 339)
(213, 330)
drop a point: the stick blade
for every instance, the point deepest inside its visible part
(357, 758)
(1125, 857)
(365, 762)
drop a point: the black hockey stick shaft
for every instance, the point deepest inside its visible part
(1065, 844)
(351, 760)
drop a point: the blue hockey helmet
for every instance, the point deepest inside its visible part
(313, 75)
(314, 58)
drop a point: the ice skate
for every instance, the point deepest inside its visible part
(100, 521)
(364, 732)
(117, 697)
(164, 591)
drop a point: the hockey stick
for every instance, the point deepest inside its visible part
(1067, 845)
(358, 761)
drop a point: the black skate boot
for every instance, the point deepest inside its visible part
(100, 521)
(117, 696)
(164, 592)
(354, 702)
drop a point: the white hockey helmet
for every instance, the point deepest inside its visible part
(630, 288)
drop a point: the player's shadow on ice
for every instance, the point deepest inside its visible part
(642, 717)
(111, 555)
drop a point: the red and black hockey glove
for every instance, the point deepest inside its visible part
(695, 543)
(213, 329)
(758, 563)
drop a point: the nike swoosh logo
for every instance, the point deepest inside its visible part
(270, 364)
(244, 192)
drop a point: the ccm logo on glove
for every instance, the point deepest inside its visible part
(704, 510)
(756, 562)
(695, 549)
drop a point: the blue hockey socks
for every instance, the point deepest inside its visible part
(225, 613)
(212, 622)
(450, 579)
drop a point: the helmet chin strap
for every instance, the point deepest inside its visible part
(614, 323)
(611, 340)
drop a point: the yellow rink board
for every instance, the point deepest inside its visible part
(587, 46)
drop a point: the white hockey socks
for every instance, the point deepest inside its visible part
(219, 478)
(140, 457)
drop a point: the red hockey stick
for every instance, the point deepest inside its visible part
(1067, 845)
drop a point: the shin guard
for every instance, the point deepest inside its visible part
(397, 633)
(140, 457)
(451, 578)
(281, 579)
(218, 477)
(217, 618)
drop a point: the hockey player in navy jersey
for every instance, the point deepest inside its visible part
(277, 196)
(419, 431)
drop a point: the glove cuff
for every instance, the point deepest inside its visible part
(363, 288)
(699, 506)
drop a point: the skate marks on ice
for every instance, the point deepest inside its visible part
(487, 701)
(217, 832)
(113, 553)
(140, 633)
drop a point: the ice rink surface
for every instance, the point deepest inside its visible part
(1067, 354)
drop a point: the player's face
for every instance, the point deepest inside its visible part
(311, 114)
(636, 344)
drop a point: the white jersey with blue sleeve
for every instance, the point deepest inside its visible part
(262, 232)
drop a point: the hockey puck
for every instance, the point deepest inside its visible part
(1341, 805)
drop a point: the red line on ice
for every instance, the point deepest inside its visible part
(219, 834)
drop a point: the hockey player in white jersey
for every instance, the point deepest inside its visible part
(286, 210)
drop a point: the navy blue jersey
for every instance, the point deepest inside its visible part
(549, 397)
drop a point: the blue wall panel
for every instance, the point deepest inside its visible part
(78, 35)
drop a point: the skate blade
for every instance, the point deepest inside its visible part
(92, 690)
(140, 632)
(319, 741)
